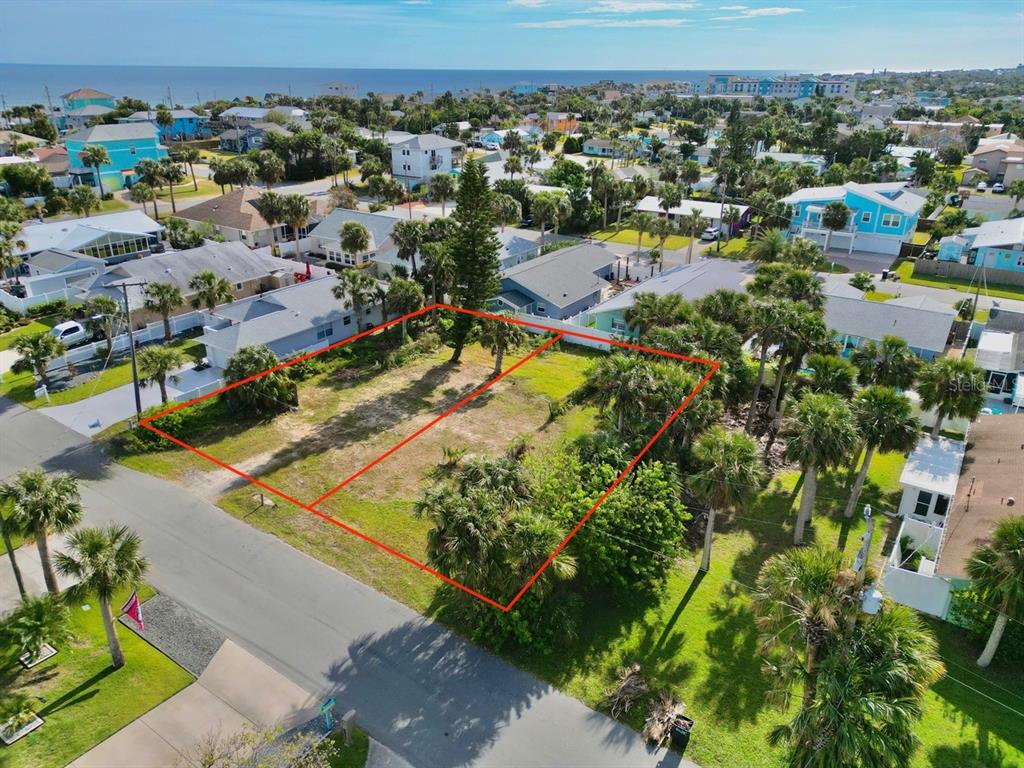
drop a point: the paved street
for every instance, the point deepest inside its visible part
(427, 694)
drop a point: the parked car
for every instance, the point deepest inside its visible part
(982, 186)
(492, 145)
(526, 222)
(998, 187)
(710, 234)
(71, 333)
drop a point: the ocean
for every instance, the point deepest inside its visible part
(27, 83)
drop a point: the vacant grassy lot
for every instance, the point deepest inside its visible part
(344, 422)
(21, 386)
(81, 697)
(695, 636)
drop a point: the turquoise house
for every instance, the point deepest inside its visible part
(882, 216)
(994, 244)
(87, 97)
(187, 125)
(126, 143)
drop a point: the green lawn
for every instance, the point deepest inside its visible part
(627, 236)
(734, 248)
(215, 154)
(905, 269)
(921, 238)
(21, 386)
(39, 325)
(113, 205)
(81, 697)
(187, 190)
(350, 757)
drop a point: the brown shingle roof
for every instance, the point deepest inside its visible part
(235, 210)
(991, 475)
(87, 93)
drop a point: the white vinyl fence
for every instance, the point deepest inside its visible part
(570, 327)
(22, 306)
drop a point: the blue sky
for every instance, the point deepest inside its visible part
(804, 35)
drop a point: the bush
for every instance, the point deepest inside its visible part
(306, 369)
(49, 308)
(183, 424)
(377, 207)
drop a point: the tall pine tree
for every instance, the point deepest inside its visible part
(474, 249)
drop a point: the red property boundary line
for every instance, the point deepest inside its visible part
(558, 334)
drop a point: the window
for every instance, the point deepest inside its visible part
(324, 331)
(541, 308)
(865, 218)
(924, 503)
(131, 150)
(891, 219)
(347, 320)
(618, 324)
(238, 286)
(941, 505)
(1020, 261)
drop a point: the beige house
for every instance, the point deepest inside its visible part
(235, 218)
(1002, 160)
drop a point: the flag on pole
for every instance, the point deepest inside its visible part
(134, 610)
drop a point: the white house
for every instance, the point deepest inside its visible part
(420, 157)
(459, 126)
(709, 210)
(953, 498)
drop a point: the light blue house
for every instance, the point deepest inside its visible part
(126, 143)
(87, 97)
(994, 244)
(882, 216)
(187, 125)
(559, 284)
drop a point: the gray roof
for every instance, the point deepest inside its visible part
(276, 315)
(74, 234)
(1000, 351)
(922, 327)
(151, 114)
(515, 299)
(428, 141)
(114, 132)
(378, 226)
(514, 246)
(57, 259)
(1000, 319)
(563, 276)
(691, 281)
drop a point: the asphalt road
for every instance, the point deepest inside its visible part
(435, 699)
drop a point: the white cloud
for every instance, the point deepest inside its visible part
(732, 7)
(415, 2)
(753, 13)
(641, 6)
(528, 3)
(602, 23)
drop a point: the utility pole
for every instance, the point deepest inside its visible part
(860, 563)
(721, 214)
(131, 344)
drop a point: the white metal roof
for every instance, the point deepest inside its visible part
(934, 465)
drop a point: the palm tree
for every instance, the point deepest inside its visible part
(190, 156)
(768, 246)
(295, 211)
(890, 363)
(620, 381)
(171, 174)
(730, 217)
(1015, 189)
(831, 373)
(82, 200)
(163, 298)
(868, 695)
(36, 622)
(442, 187)
(693, 225)
(105, 314)
(408, 236)
(403, 297)
(209, 291)
(36, 351)
(730, 471)
(834, 216)
(507, 210)
(821, 434)
(642, 223)
(499, 335)
(8, 529)
(104, 561)
(10, 241)
(803, 599)
(997, 574)
(662, 229)
(650, 310)
(355, 289)
(669, 197)
(952, 388)
(142, 193)
(271, 207)
(270, 168)
(94, 156)
(42, 504)
(549, 207)
(156, 366)
(354, 239)
(165, 120)
(437, 260)
(769, 321)
(886, 422)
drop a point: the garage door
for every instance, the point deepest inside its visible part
(878, 244)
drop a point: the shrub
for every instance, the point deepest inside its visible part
(183, 425)
(49, 308)
(966, 610)
(377, 207)
(306, 369)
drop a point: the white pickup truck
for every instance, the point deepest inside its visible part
(71, 333)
